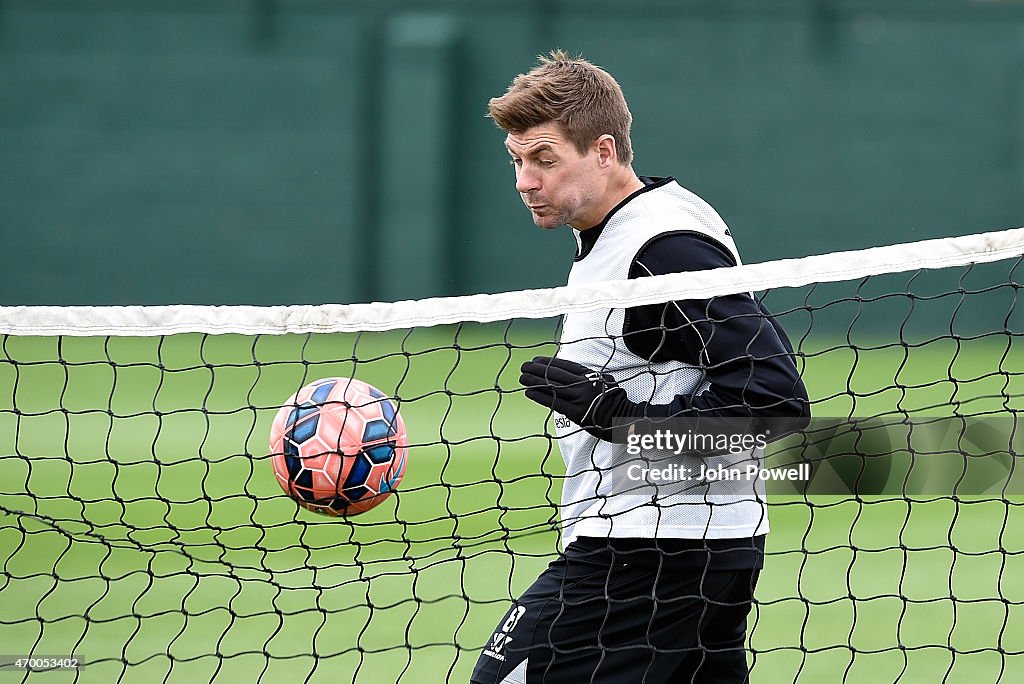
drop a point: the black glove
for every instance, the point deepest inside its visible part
(591, 399)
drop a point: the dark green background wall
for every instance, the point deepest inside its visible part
(295, 151)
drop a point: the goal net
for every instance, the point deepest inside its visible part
(143, 529)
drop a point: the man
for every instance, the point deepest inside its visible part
(645, 591)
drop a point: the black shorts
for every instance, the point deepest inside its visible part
(623, 612)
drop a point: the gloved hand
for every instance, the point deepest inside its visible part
(591, 399)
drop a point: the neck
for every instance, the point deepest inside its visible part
(620, 186)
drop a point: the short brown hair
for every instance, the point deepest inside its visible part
(584, 99)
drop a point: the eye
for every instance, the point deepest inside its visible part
(515, 161)
(547, 163)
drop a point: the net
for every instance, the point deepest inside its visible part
(144, 531)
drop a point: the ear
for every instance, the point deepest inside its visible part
(605, 146)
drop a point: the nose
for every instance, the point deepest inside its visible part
(526, 181)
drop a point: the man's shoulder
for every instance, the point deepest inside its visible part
(678, 220)
(675, 251)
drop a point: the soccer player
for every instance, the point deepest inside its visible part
(645, 590)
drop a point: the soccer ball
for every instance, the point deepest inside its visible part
(338, 446)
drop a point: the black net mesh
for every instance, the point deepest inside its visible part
(143, 529)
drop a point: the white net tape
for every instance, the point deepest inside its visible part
(329, 318)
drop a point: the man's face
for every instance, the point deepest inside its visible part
(556, 182)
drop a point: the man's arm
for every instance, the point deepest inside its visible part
(746, 357)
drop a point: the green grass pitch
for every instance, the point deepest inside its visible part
(141, 526)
